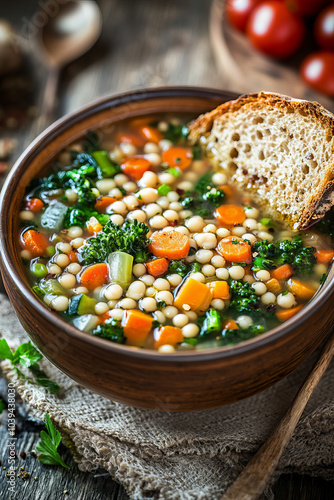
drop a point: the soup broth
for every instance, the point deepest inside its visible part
(137, 237)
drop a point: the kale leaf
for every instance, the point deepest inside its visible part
(111, 331)
(244, 299)
(176, 133)
(205, 197)
(182, 267)
(131, 238)
(293, 252)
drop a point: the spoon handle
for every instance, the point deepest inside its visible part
(252, 481)
(49, 99)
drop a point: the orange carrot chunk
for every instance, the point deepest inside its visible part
(286, 314)
(193, 295)
(230, 324)
(219, 289)
(36, 243)
(137, 326)
(35, 205)
(230, 215)
(170, 335)
(178, 157)
(135, 167)
(282, 273)
(130, 138)
(169, 244)
(235, 249)
(151, 134)
(274, 286)
(93, 225)
(103, 202)
(302, 290)
(73, 256)
(94, 276)
(324, 256)
(157, 267)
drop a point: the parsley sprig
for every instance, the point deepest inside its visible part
(27, 356)
(48, 445)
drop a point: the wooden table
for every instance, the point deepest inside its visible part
(144, 43)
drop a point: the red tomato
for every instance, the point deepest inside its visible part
(324, 29)
(274, 30)
(317, 71)
(238, 11)
(305, 7)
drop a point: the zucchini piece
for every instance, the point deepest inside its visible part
(86, 323)
(81, 304)
(52, 287)
(54, 215)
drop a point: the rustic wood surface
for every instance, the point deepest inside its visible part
(144, 43)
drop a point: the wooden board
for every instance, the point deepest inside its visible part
(247, 70)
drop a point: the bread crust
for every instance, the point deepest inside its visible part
(323, 199)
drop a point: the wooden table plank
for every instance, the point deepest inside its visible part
(144, 43)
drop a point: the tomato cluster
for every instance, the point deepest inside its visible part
(278, 28)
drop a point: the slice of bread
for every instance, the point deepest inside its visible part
(279, 149)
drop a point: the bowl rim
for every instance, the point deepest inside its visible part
(65, 123)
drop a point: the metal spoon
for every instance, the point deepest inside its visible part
(64, 37)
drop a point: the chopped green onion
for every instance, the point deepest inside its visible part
(107, 167)
(174, 171)
(120, 268)
(266, 222)
(164, 189)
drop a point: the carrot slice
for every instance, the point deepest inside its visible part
(103, 202)
(274, 286)
(130, 138)
(73, 256)
(193, 295)
(169, 244)
(93, 225)
(170, 335)
(230, 324)
(282, 273)
(33, 241)
(94, 276)
(35, 205)
(324, 256)
(235, 249)
(229, 191)
(219, 289)
(157, 267)
(230, 215)
(135, 167)
(302, 290)
(178, 157)
(286, 314)
(137, 326)
(151, 134)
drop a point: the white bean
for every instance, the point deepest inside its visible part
(117, 219)
(259, 288)
(263, 275)
(190, 330)
(170, 312)
(167, 348)
(218, 261)
(105, 185)
(194, 224)
(148, 304)
(244, 322)
(151, 147)
(161, 284)
(147, 195)
(236, 272)
(101, 308)
(147, 279)
(218, 304)
(136, 290)
(174, 279)
(158, 222)
(286, 301)
(154, 159)
(208, 270)
(180, 320)
(219, 179)
(222, 273)
(139, 270)
(113, 292)
(127, 304)
(165, 296)
(138, 215)
(149, 179)
(60, 303)
(74, 232)
(203, 256)
(268, 298)
(222, 232)
(67, 280)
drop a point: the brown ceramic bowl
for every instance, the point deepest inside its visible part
(192, 380)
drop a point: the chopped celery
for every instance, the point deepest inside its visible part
(52, 287)
(106, 166)
(53, 216)
(120, 268)
(86, 323)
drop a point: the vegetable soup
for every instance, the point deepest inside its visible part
(137, 237)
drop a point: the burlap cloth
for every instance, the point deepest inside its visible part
(188, 455)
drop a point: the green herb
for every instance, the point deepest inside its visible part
(161, 304)
(111, 331)
(205, 197)
(174, 171)
(285, 292)
(323, 279)
(182, 267)
(164, 189)
(48, 445)
(266, 222)
(197, 152)
(176, 133)
(27, 355)
(244, 299)
(293, 252)
(130, 238)
(212, 324)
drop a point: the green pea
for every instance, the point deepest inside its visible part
(39, 270)
(50, 251)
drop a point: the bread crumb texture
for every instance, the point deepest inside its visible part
(278, 148)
